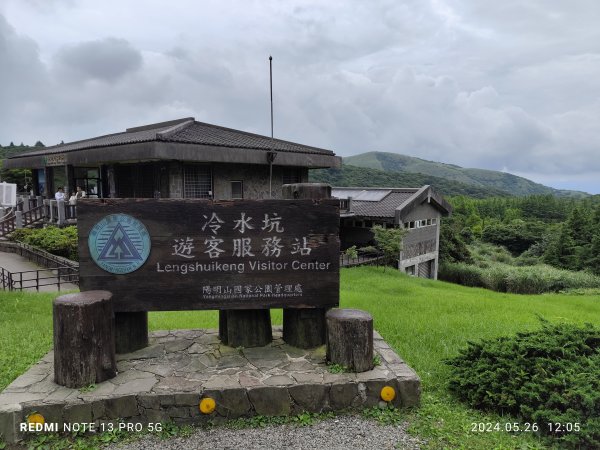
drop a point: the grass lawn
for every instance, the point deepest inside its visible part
(425, 321)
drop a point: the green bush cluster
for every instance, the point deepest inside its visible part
(58, 241)
(501, 277)
(548, 376)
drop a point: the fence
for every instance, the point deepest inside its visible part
(36, 279)
(361, 260)
(59, 212)
(57, 270)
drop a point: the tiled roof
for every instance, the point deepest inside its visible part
(386, 207)
(204, 133)
(186, 131)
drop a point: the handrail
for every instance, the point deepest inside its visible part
(8, 225)
(33, 215)
(360, 260)
(38, 256)
(20, 281)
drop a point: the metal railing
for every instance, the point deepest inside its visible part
(35, 279)
(57, 271)
(360, 260)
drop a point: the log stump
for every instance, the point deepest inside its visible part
(305, 327)
(131, 331)
(84, 339)
(350, 339)
(246, 327)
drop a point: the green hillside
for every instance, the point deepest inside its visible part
(364, 177)
(514, 185)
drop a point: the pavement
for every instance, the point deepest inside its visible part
(16, 263)
(167, 380)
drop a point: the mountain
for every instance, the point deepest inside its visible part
(364, 177)
(512, 184)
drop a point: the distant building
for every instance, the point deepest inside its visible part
(178, 159)
(418, 210)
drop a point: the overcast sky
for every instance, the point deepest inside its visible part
(504, 85)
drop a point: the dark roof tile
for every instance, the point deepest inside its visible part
(186, 131)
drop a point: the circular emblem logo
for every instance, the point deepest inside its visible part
(119, 243)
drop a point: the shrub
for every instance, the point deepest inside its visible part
(58, 241)
(462, 273)
(368, 250)
(351, 252)
(517, 280)
(548, 376)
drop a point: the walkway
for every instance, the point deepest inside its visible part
(16, 263)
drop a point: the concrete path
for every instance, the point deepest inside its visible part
(15, 263)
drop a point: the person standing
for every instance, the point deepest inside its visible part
(60, 194)
(80, 193)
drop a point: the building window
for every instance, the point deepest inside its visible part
(237, 190)
(410, 270)
(197, 181)
(291, 175)
(89, 180)
(368, 224)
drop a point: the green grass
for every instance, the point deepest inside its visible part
(25, 332)
(426, 322)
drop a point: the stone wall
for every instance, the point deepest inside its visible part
(255, 180)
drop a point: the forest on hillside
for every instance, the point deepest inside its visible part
(533, 235)
(364, 177)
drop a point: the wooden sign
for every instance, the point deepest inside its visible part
(57, 159)
(171, 254)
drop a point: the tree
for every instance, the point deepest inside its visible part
(561, 251)
(389, 241)
(452, 245)
(593, 263)
(39, 144)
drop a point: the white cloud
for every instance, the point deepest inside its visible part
(503, 85)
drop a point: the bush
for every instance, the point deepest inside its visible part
(462, 273)
(58, 241)
(500, 277)
(548, 376)
(369, 250)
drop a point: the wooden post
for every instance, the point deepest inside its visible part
(131, 331)
(350, 339)
(248, 327)
(305, 327)
(84, 339)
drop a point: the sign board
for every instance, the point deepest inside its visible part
(8, 194)
(57, 159)
(171, 254)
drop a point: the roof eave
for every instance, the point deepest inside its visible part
(426, 193)
(177, 151)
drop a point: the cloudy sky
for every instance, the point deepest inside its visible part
(504, 85)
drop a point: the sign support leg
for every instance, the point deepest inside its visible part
(305, 327)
